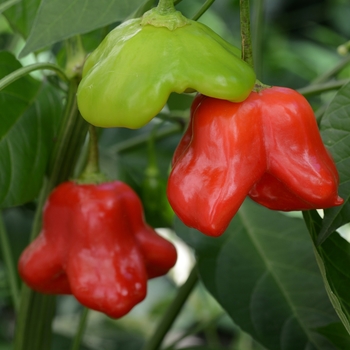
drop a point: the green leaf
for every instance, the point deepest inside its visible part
(29, 117)
(60, 19)
(6, 5)
(335, 128)
(263, 272)
(21, 16)
(336, 333)
(333, 258)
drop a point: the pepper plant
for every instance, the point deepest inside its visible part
(211, 123)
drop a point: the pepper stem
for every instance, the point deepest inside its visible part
(92, 165)
(164, 15)
(165, 6)
(247, 51)
(91, 173)
(75, 57)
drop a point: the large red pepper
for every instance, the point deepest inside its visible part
(95, 245)
(268, 147)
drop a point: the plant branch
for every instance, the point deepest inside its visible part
(332, 72)
(81, 328)
(91, 173)
(92, 165)
(257, 33)
(142, 139)
(173, 311)
(203, 9)
(9, 263)
(75, 57)
(21, 72)
(247, 51)
(197, 329)
(33, 328)
(319, 88)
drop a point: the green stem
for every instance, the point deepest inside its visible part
(92, 165)
(142, 139)
(63, 148)
(21, 72)
(212, 337)
(257, 33)
(203, 9)
(34, 319)
(75, 56)
(165, 6)
(81, 328)
(317, 89)
(69, 141)
(33, 328)
(332, 72)
(9, 263)
(247, 51)
(91, 173)
(36, 226)
(173, 311)
(197, 329)
(75, 145)
(42, 312)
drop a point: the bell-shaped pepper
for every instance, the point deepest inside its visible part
(95, 245)
(268, 147)
(129, 77)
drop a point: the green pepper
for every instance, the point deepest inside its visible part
(158, 211)
(129, 77)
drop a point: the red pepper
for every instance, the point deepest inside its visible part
(95, 245)
(268, 147)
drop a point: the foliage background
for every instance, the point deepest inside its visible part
(296, 44)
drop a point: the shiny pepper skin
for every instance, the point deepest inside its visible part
(127, 80)
(268, 147)
(95, 245)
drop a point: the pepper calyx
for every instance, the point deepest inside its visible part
(91, 178)
(170, 19)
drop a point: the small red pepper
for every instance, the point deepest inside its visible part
(95, 245)
(268, 147)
